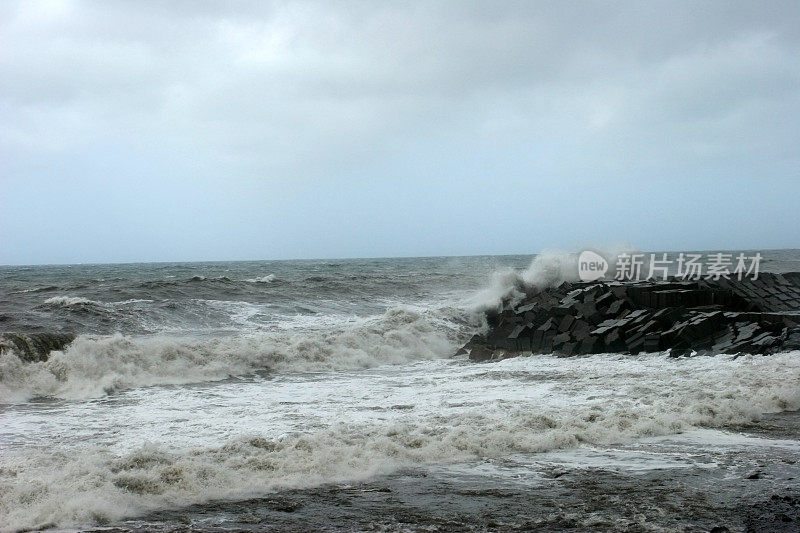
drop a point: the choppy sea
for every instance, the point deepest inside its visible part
(312, 395)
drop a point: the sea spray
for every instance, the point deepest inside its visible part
(550, 268)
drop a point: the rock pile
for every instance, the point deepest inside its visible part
(686, 317)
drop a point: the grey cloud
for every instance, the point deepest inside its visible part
(258, 94)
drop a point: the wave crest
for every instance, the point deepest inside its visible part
(269, 278)
(67, 301)
(94, 365)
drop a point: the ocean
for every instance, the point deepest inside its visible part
(323, 394)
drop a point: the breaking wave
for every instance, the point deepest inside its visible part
(269, 278)
(95, 365)
(67, 301)
(547, 269)
(637, 396)
(203, 278)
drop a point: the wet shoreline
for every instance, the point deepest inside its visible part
(751, 483)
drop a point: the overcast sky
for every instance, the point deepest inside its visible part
(191, 130)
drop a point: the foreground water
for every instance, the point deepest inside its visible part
(198, 395)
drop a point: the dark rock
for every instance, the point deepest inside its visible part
(548, 324)
(683, 316)
(580, 329)
(613, 341)
(564, 309)
(652, 342)
(589, 312)
(547, 342)
(566, 323)
(498, 337)
(525, 308)
(560, 339)
(568, 348)
(616, 307)
(590, 344)
(537, 339)
(520, 338)
(480, 353)
(605, 299)
(620, 291)
(474, 341)
(792, 341)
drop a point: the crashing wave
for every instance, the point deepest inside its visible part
(547, 269)
(92, 366)
(67, 301)
(639, 397)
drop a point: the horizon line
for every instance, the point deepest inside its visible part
(92, 263)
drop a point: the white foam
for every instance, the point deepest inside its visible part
(132, 301)
(269, 278)
(92, 366)
(66, 301)
(548, 269)
(597, 400)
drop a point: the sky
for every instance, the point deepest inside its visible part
(196, 130)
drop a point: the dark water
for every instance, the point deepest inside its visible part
(231, 297)
(208, 298)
